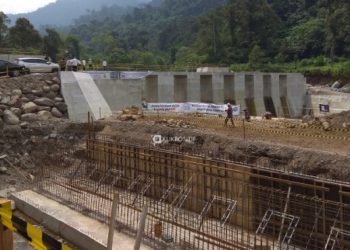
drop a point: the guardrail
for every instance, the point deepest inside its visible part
(37, 238)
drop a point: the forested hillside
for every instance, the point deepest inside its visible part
(221, 31)
(268, 35)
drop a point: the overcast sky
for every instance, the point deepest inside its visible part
(22, 6)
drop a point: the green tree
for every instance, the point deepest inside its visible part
(4, 21)
(73, 47)
(23, 35)
(256, 57)
(306, 39)
(338, 27)
(52, 43)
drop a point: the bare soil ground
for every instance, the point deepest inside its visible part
(265, 141)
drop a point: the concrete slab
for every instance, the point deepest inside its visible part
(82, 96)
(82, 231)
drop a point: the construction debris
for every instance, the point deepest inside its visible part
(172, 123)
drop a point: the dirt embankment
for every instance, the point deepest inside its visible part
(291, 158)
(326, 80)
(34, 128)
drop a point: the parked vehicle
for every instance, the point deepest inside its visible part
(11, 69)
(38, 65)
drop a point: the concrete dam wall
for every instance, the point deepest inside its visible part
(282, 94)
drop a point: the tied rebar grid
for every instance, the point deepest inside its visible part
(200, 202)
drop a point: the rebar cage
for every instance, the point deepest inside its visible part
(200, 202)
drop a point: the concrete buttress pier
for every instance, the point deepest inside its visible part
(82, 96)
(283, 94)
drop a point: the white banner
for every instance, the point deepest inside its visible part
(191, 107)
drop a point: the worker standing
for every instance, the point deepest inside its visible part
(229, 116)
(104, 65)
(246, 115)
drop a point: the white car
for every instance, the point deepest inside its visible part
(37, 65)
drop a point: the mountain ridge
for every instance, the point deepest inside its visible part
(63, 12)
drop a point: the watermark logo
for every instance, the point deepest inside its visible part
(159, 139)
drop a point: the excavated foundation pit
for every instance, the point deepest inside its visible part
(200, 200)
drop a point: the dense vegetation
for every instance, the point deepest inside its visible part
(271, 35)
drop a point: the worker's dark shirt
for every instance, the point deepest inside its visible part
(229, 111)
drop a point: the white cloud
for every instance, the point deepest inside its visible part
(22, 6)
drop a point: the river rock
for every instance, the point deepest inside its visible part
(16, 111)
(5, 100)
(44, 115)
(61, 106)
(17, 92)
(44, 101)
(44, 108)
(46, 89)
(24, 99)
(29, 107)
(29, 117)
(55, 87)
(56, 113)
(336, 85)
(10, 118)
(37, 92)
(15, 101)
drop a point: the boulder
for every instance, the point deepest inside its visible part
(26, 90)
(44, 115)
(17, 92)
(44, 101)
(55, 87)
(5, 100)
(29, 107)
(307, 119)
(29, 117)
(125, 117)
(24, 99)
(3, 107)
(336, 85)
(11, 130)
(56, 80)
(56, 113)
(10, 118)
(48, 82)
(51, 95)
(61, 106)
(44, 108)
(31, 97)
(53, 136)
(1, 113)
(1, 123)
(3, 170)
(37, 92)
(58, 99)
(16, 111)
(24, 125)
(46, 89)
(15, 101)
(326, 125)
(345, 88)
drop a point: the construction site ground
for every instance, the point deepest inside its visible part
(284, 144)
(308, 150)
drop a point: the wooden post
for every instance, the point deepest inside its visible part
(112, 221)
(243, 129)
(6, 236)
(141, 229)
